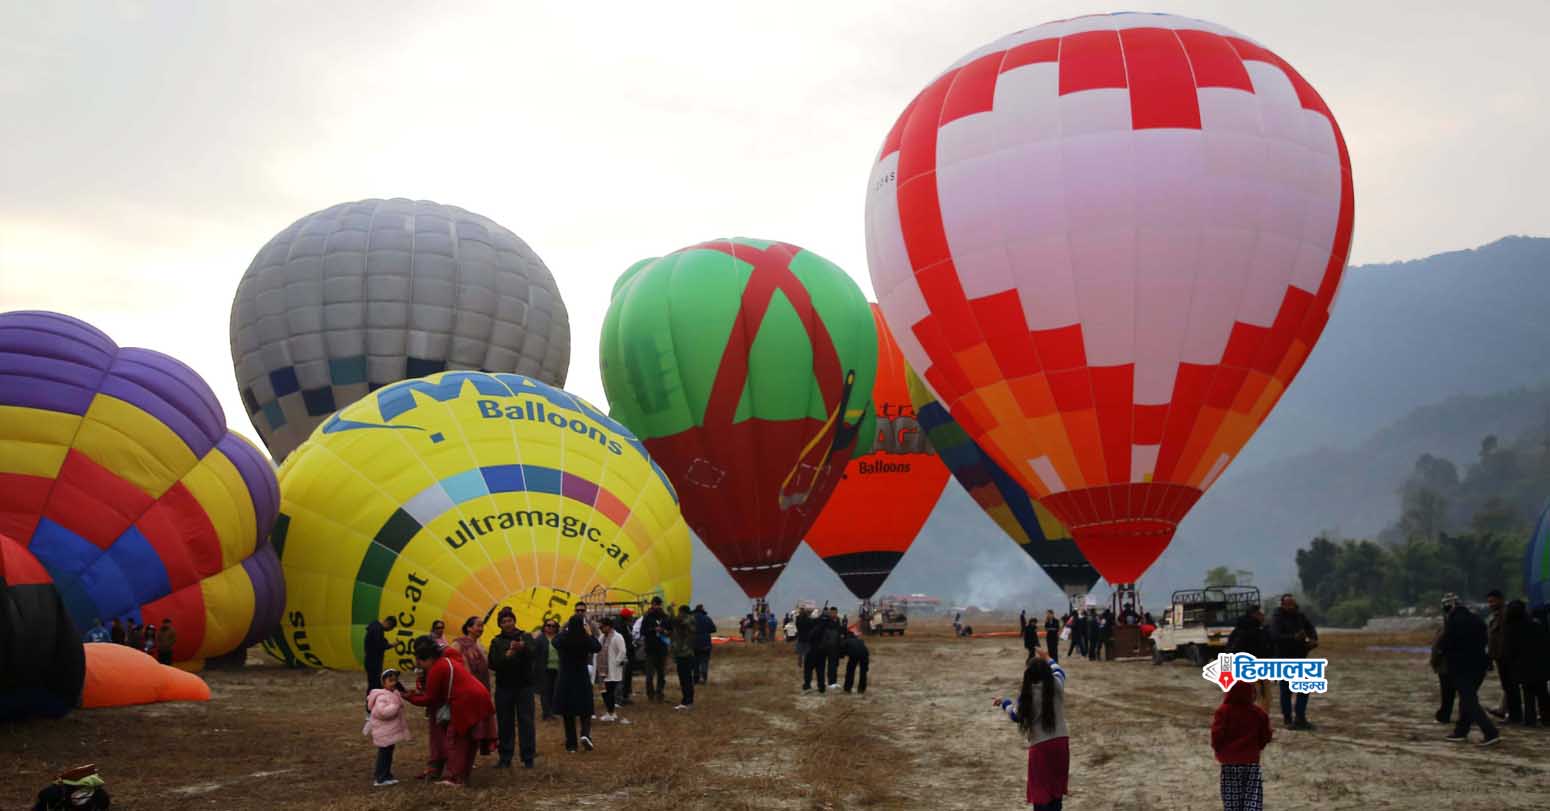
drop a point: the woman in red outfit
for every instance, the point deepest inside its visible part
(467, 645)
(1239, 730)
(448, 684)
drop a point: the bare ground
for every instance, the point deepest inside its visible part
(923, 736)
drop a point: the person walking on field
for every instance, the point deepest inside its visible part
(1464, 647)
(703, 628)
(515, 660)
(1240, 730)
(682, 648)
(611, 659)
(1496, 605)
(1292, 636)
(1439, 665)
(386, 724)
(654, 630)
(375, 647)
(573, 692)
(1040, 714)
(1052, 635)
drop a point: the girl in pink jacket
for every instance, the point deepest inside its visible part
(386, 725)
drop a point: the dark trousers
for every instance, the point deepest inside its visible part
(702, 666)
(1052, 638)
(656, 674)
(686, 679)
(1536, 703)
(546, 693)
(514, 721)
(629, 680)
(165, 657)
(833, 662)
(384, 768)
(815, 665)
(1057, 805)
(570, 730)
(1470, 711)
(374, 675)
(1449, 691)
(610, 690)
(1078, 644)
(1286, 704)
(1512, 700)
(851, 666)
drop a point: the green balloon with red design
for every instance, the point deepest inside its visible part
(746, 367)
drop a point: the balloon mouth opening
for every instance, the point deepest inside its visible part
(1122, 550)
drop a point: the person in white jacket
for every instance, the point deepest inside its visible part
(612, 659)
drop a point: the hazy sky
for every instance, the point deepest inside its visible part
(147, 150)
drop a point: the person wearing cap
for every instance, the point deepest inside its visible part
(386, 724)
(375, 647)
(622, 627)
(513, 660)
(654, 629)
(1439, 664)
(1463, 646)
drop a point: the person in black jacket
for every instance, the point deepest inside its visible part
(626, 620)
(804, 622)
(1052, 635)
(853, 648)
(1464, 650)
(1030, 632)
(573, 692)
(1524, 655)
(1292, 636)
(516, 672)
(1249, 636)
(654, 629)
(376, 646)
(703, 628)
(822, 637)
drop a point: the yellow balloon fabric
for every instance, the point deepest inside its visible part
(452, 495)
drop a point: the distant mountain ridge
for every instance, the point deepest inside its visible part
(1422, 356)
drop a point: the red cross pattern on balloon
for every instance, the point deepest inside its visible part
(1109, 244)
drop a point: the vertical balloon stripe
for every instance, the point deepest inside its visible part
(219, 489)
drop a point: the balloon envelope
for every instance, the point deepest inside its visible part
(1108, 244)
(41, 663)
(885, 496)
(362, 294)
(448, 496)
(745, 366)
(120, 676)
(1024, 520)
(117, 472)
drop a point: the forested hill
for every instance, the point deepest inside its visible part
(1421, 357)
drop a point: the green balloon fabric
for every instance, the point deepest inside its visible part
(746, 367)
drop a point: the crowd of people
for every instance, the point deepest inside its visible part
(822, 639)
(1510, 640)
(560, 668)
(155, 640)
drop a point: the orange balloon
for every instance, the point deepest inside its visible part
(885, 496)
(118, 676)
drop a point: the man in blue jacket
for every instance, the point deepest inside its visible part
(1463, 648)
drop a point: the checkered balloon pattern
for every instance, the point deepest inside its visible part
(359, 295)
(1109, 244)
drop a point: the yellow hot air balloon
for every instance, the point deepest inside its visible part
(448, 496)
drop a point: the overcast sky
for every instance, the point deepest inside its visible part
(147, 150)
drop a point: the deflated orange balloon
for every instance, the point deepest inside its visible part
(885, 496)
(118, 676)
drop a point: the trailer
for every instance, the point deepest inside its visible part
(1198, 622)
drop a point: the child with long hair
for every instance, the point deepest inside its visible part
(1239, 730)
(1040, 715)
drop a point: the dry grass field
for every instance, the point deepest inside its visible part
(923, 736)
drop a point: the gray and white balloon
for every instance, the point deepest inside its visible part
(359, 295)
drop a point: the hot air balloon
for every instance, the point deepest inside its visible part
(448, 496)
(117, 472)
(120, 676)
(1536, 562)
(359, 295)
(885, 496)
(42, 664)
(1108, 244)
(745, 366)
(1023, 519)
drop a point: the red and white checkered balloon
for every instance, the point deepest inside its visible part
(1109, 244)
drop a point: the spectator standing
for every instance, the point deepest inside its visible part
(1439, 665)
(386, 724)
(1292, 636)
(573, 691)
(514, 658)
(456, 703)
(118, 635)
(654, 629)
(467, 645)
(1464, 646)
(703, 629)
(166, 642)
(97, 633)
(1240, 730)
(683, 632)
(611, 663)
(1029, 632)
(1052, 635)
(1525, 650)
(549, 661)
(631, 660)
(1040, 714)
(375, 648)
